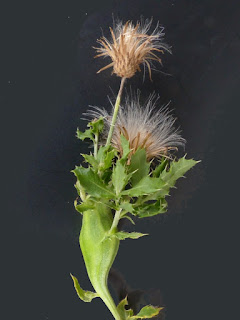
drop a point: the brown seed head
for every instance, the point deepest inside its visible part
(131, 46)
(143, 126)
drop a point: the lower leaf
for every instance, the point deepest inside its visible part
(147, 312)
(86, 296)
(123, 312)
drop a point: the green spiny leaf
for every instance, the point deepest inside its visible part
(125, 147)
(107, 162)
(96, 125)
(84, 206)
(140, 165)
(121, 235)
(105, 157)
(78, 187)
(129, 218)
(158, 170)
(147, 312)
(177, 170)
(152, 209)
(92, 183)
(127, 206)
(86, 296)
(87, 134)
(123, 312)
(102, 153)
(121, 308)
(119, 177)
(145, 186)
(91, 160)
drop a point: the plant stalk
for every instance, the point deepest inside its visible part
(96, 145)
(115, 112)
(115, 220)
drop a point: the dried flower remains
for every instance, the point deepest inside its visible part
(131, 46)
(143, 126)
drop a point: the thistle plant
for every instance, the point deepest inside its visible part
(131, 168)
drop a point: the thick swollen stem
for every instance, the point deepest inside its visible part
(99, 250)
(115, 112)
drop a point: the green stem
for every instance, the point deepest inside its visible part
(96, 145)
(108, 300)
(115, 112)
(115, 220)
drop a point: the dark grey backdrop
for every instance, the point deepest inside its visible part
(49, 78)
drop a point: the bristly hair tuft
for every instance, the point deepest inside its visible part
(143, 126)
(130, 46)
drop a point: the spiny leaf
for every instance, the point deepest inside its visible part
(123, 312)
(121, 235)
(121, 308)
(91, 160)
(87, 134)
(125, 147)
(147, 312)
(78, 187)
(105, 157)
(177, 170)
(107, 162)
(92, 183)
(145, 186)
(157, 171)
(140, 165)
(119, 177)
(86, 296)
(127, 206)
(152, 209)
(102, 153)
(84, 206)
(96, 125)
(129, 218)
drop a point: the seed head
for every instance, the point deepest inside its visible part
(131, 46)
(143, 126)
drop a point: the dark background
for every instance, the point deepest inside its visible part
(48, 77)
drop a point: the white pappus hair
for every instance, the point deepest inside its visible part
(144, 126)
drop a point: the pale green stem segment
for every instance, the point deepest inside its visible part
(115, 220)
(96, 145)
(99, 251)
(115, 112)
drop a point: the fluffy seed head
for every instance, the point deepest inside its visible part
(131, 46)
(143, 126)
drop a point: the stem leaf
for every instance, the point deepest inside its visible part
(145, 186)
(152, 209)
(92, 183)
(96, 125)
(177, 170)
(86, 296)
(123, 312)
(158, 170)
(140, 165)
(121, 235)
(119, 177)
(91, 160)
(125, 148)
(87, 134)
(147, 312)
